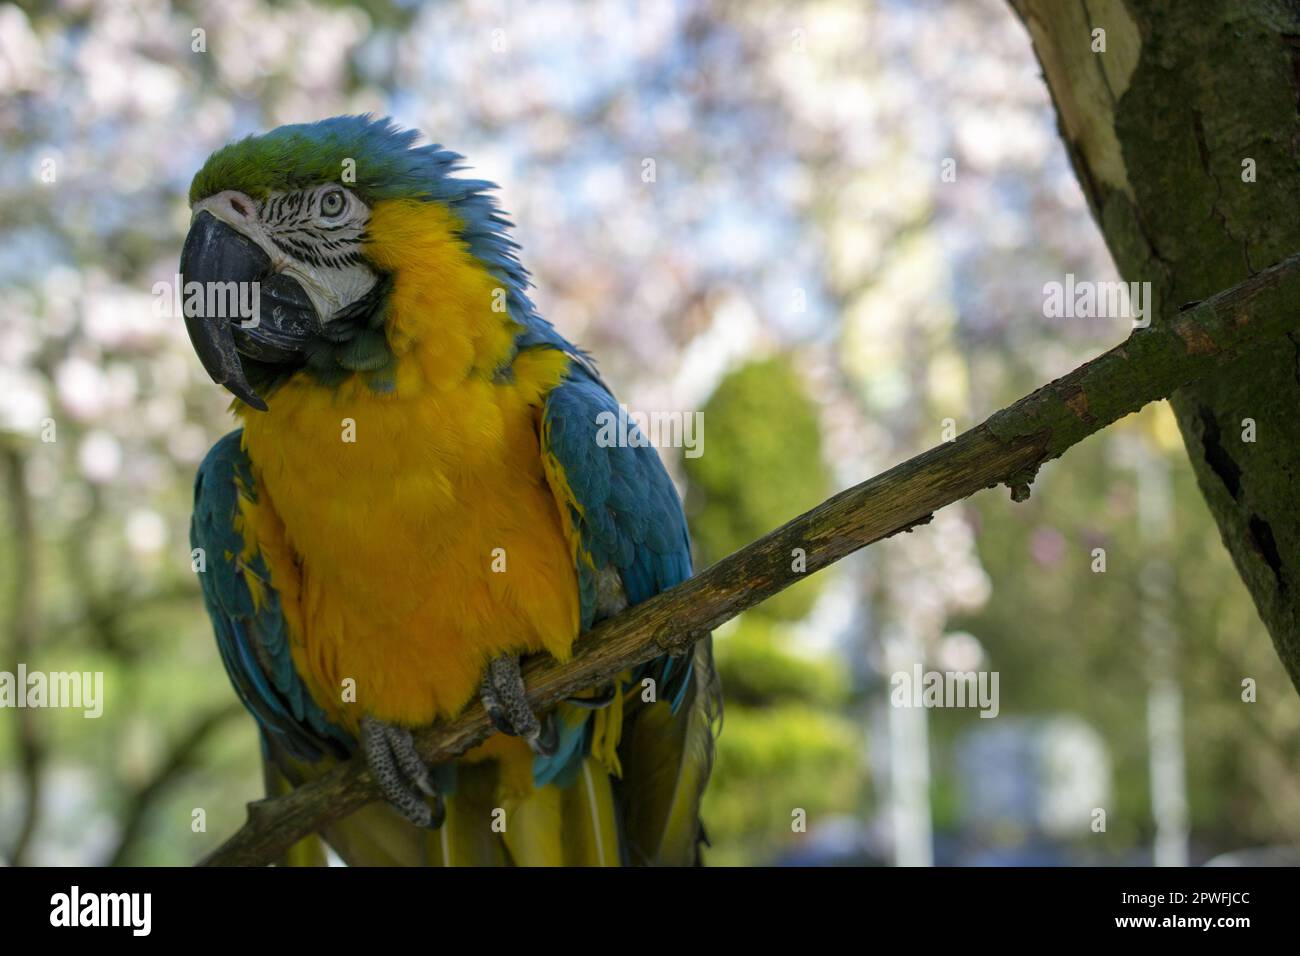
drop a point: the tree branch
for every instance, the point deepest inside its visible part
(1008, 449)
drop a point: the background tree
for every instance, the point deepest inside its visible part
(1181, 122)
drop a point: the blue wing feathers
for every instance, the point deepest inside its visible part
(252, 641)
(631, 516)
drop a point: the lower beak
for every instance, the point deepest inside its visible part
(221, 268)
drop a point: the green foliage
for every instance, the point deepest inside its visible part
(776, 760)
(788, 743)
(1085, 653)
(758, 668)
(762, 465)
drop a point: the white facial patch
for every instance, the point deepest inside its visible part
(313, 235)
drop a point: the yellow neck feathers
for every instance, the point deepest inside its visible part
(441, 293)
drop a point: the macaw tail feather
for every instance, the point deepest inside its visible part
(667, 755)
(309, 851)
(571, 825)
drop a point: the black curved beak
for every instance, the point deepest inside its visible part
(237, 305)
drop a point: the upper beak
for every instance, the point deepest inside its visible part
(284, 320)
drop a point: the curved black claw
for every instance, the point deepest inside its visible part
(402, 777)
(506, 701)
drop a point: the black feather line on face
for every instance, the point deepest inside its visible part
(290, 220)
(325, 355)
(369, 311)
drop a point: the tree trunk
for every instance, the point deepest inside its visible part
(1166, 128)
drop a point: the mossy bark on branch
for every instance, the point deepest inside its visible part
(1166, 129)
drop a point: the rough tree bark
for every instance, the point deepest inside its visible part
(1164, 129)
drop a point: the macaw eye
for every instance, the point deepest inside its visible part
(332, 203)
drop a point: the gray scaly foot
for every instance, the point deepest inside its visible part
(401, 775)
(506, 701)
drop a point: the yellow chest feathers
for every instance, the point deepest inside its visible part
(413, 536)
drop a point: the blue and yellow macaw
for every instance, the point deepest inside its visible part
(416, 499)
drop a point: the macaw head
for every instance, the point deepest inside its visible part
(347, 244)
